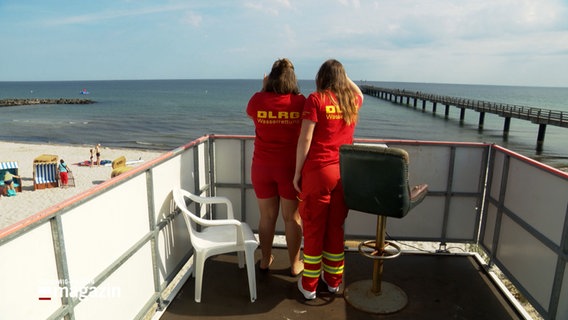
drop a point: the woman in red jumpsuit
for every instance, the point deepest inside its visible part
(276, 114)
(328, 121)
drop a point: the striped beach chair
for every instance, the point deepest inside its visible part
(12, 167)
(45, 172)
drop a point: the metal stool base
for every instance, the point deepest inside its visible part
(360, 296)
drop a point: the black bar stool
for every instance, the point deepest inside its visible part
(375, 181)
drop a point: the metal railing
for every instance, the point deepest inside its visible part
(114, 251)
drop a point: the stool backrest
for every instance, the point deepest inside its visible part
(375, 179)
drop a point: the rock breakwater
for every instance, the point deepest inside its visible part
(31, 101)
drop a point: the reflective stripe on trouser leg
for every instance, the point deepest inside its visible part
(333, 267)
(312, 267)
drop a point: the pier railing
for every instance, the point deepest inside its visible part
(540, 116)
(116, 250)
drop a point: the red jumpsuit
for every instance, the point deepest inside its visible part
(323, 209)
(277, 121)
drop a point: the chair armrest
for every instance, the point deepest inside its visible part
(217, 222)
(213, 200)
(417, 194)
(179, 194)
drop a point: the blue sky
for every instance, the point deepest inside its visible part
(504, 42)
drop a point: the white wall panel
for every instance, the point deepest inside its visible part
(131, 285)
(27, 273)
(228, 161)
(103, 228)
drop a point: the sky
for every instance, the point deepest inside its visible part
(495, 42)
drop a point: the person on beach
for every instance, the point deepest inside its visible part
(98, 154)
(275, 111)
(91, 158)
(63, 173)
(328, 121)
(9, 183)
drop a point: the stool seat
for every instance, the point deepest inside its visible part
(375, 181)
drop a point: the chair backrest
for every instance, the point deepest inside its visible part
(375, 180)
(188, 216)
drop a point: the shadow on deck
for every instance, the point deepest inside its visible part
(437, 286)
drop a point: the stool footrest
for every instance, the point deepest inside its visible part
(380, 253)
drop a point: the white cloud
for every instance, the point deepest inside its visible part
(410, 40)
(192, 18)
(112, 14)
(350, 3)
(271, 7)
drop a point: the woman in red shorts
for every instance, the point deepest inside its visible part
(276, 114)
(328, 121)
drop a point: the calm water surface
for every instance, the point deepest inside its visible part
(164, 114)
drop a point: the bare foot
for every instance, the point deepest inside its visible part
(264, 264)
(297, 268)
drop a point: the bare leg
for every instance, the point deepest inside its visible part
(293, 230)
(266, 227)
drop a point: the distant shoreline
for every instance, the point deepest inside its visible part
(33, 101)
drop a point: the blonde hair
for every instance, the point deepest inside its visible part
(331, 77)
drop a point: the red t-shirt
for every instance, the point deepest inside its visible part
(330, 131)
(277, 121)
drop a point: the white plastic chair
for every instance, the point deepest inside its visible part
(216, 237)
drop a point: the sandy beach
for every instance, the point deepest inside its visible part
(29, 202)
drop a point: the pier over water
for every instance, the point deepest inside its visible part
(539, 116)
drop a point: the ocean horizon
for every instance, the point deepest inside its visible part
(164, 114)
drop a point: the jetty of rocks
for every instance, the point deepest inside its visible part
(31, 101)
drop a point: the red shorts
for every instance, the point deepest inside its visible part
(272, 181)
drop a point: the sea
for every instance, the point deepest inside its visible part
(165, 114)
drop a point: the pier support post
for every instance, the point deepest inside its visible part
(462, 115)
(481, 120)
(447, 112)
(506, 127)
(423, 105)
(540, 138)
(414, 104)
(434, 108)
